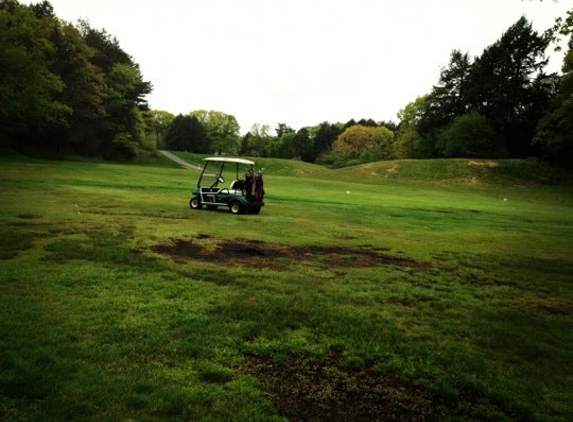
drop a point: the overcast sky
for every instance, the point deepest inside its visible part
(301, 62)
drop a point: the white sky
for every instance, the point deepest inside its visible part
(301, 62)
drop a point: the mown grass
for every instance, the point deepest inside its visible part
(470, 321)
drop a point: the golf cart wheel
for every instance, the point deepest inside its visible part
(236, 207)
(195, 203)
(255, 210)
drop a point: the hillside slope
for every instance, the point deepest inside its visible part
(459, 171)
(469, 172)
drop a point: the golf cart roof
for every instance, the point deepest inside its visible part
(229, 160)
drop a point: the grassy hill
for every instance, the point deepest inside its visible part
(471, 172)
(402, 290)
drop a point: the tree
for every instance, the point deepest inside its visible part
(256, 142)
(84, 90)
(409, 142)
(29, 104)
(468, 136)
(187, 134)
(65, 87)
(324, 137)
(284, 146)
(108, 52)
(283, 128)
(303, 146)
(563, 27)
(555, 130)
(369, 142)
(125, 92)
(349, 123)
(43, 9)
(221, 130)
(158, 122)
(367, 123)
(448, 99)
(506, 85)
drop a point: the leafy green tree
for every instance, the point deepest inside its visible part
(506, 85)
(157, 122)
(563, 27)
(367, 123)
(108, 52)
(303, 145)
(186, 133)
(349, 123)
(469, 136)
(389, 125)
(372, 143)
(84, 90)
(281, 147)
(448, 99)
(62, 86)
(221, 130)
(409, 142)
(256, 142)
(43, 9)
(283, 128)
(29, 104)
(245, 143)
(324, 137)
(286, 144)
(555, 130)
(125, 92)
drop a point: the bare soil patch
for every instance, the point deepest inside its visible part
(483, 163)
(330, 388)
(276, 256)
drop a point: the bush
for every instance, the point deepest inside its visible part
(334, 159)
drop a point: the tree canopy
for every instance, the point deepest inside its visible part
(359, 139)
(555, 130)
(502, 95)
(74, 89)
(221, 130)
(67, 87)
(186, 133)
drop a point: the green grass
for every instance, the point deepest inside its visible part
(467, 315)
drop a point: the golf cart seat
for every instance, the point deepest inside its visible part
(238, 185)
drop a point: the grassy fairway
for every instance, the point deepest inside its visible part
(397, 291)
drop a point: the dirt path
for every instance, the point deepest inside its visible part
(179, 161)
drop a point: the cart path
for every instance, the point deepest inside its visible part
(179, 161)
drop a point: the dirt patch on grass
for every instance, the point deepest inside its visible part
(335, 388)
(483, 163)
(275, 256)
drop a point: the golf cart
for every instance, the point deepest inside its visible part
(243, 195)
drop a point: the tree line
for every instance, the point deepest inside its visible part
(73, 89)
(67, 88)
(501, 104)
